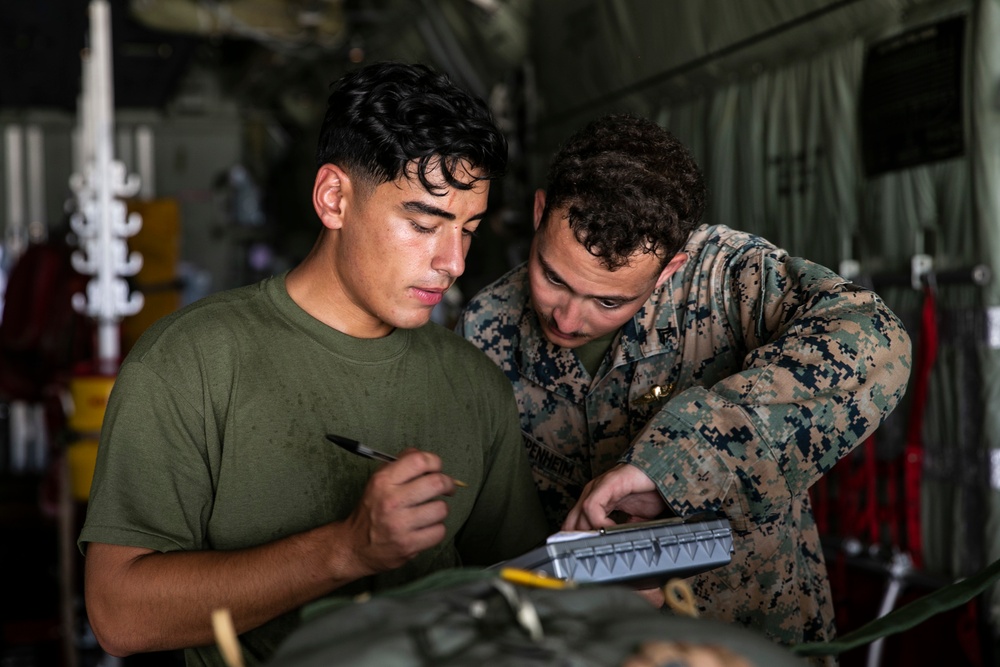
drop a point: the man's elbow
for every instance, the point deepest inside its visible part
(897, 365)
(117, 610)
(110, 626)
(114, 650)
(889, 350)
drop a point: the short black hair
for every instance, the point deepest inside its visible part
(384, 117)
(630, 186)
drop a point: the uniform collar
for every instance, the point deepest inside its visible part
(655, 328)
(553, 367)
(651, 331)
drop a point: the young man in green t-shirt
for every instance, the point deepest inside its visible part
(215, 486)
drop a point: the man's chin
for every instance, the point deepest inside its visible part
(411, 320)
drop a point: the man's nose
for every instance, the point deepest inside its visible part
(450, 254)
(568, 315)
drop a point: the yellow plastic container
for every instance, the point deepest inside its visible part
(90, 400)
(81, 457)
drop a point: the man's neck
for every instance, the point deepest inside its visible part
(314, 288)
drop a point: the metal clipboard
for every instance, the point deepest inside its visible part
(636, 554)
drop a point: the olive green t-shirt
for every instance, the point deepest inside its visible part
(592, 353)
(214, 438)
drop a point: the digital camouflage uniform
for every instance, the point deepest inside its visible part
(772, 368)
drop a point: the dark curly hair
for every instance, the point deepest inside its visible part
(630, 186)
(385, 116)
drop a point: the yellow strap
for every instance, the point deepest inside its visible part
(536, 579)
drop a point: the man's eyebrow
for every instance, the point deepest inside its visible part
(622, 298)
(427, 209)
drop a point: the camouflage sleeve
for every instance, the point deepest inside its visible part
(825, 362)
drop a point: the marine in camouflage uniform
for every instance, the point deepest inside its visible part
(744, 377)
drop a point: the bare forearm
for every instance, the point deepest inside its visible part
(159, 601)
(139, 600)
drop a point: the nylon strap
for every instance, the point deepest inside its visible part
(908, 616)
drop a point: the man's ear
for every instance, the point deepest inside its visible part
(539, 206)
(676, 262)
(331, 192)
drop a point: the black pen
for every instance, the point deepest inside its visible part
(356, 447)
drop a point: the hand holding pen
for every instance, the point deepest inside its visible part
(401, 511)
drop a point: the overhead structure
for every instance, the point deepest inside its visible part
(272, 22)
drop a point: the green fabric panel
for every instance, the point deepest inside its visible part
(985, 134)
(985, 148)
(991, 397)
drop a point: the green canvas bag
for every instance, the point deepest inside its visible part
(475, 617)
